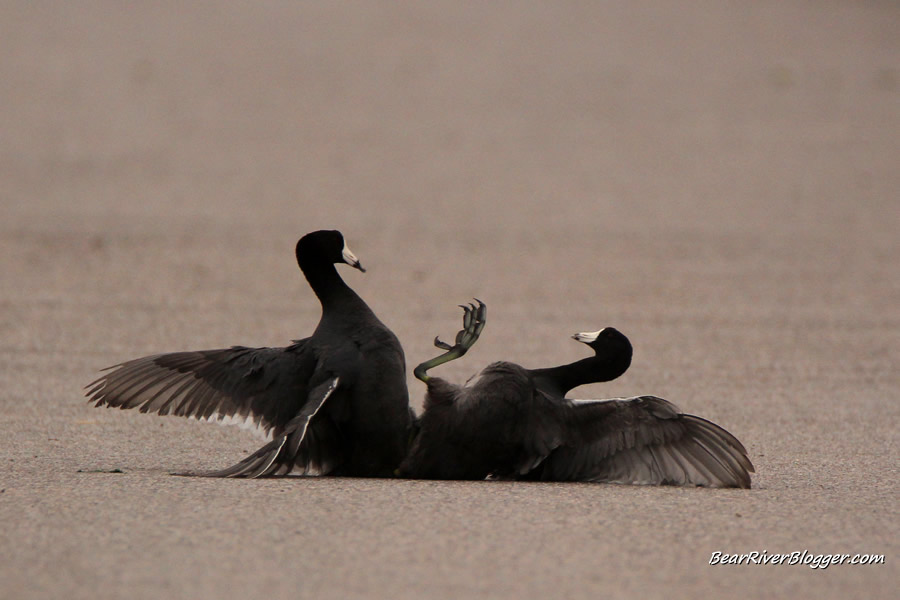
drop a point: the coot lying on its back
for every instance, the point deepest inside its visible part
(507, 425)
(335, 402)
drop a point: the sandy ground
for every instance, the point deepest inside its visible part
(718, 180)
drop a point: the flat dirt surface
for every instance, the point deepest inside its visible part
(718, 180)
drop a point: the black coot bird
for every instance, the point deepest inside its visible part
(333, 403)
(512, 423)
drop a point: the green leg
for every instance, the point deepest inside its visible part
(473, 322)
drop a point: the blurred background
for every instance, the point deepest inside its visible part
(718, 180)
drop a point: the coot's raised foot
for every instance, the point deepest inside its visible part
(474, 318)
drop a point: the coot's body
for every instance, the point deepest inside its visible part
(513, 423)
(335, 402)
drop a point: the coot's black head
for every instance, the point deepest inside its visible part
(326, 247)
(610, 345)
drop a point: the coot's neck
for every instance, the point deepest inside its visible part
(330, 288)
(557, 381)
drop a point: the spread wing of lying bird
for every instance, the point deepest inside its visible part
(335, 402)
(514, 423)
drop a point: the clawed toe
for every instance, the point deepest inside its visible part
(473, 324)
(438, 343)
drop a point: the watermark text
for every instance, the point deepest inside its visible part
(800, 557)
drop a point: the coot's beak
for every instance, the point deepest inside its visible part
(586, 337)
(351, 259)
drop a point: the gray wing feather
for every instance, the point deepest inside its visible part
(646, 440)
(279, 456)
(266, 386)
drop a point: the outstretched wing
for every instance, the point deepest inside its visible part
(297, 445)
(646, 440)
(264, 386)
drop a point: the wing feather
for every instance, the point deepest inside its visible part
(646, 440)
(279, 456)
(267, 386)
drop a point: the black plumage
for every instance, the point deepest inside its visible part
(512, 423)
(333, 403)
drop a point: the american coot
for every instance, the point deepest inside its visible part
(335, 402)
(509, 424)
